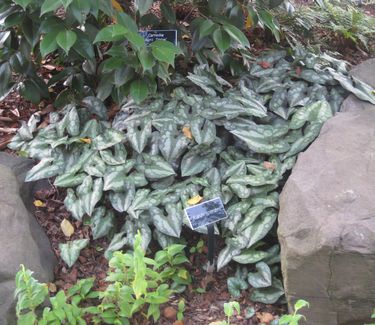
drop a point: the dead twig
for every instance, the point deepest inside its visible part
(8, 130)
(5, 119)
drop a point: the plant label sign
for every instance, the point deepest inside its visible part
(159, 35)
(206, 213)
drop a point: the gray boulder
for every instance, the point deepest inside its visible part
(327, 219)
(22, 240)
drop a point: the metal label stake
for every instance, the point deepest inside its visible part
(211, 247)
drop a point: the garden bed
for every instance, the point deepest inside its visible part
(207, 293)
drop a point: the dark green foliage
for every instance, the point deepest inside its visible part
(101, 52)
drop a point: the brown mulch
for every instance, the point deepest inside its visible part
(13, 110)
(91, 261)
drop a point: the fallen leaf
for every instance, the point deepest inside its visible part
(183, 274)
(67, 228)
(249, 22)
(269, 165)
(8, 130)
(43, 125)
(187, 133)
(39, 204)
(265, 64)
(49, 67)
(218, 322)
(85, 140)
(194, 200)
(52, 287)
(15, 112)
(265, 317)
(117, 6)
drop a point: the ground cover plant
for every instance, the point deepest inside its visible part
(203, 140)
(136, 284)
(341, 25)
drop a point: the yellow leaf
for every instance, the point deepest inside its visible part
(187, 133)
(265, 317)
(67, 228)
(117, 6)
(195, 200)
(183, 274)
(52, 287)
(39, 204)
(249, 22)
(85, 140)
(269, 165)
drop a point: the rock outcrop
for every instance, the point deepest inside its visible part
(22, 241)
(327, 218)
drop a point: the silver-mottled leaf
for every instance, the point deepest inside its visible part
(44, 169)
(203, 131)
(118, 241)
(226, 255)
(107, 139)
(268, 295)
(121, 201)
(250, 256)
(101, 223)
(138, 134)
(156, 167)
(260, 228)
(70, 251)
(95, 106)
(169, 224)
(262, 278)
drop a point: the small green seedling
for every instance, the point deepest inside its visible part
(293, 319)
(229, 308)
(372, 317)
(200, 290)
(181, 309)
(198, 248)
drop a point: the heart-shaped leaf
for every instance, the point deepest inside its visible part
(102, 222)
(262, 278)
(70, 251)
(66, 39)
(236, 285)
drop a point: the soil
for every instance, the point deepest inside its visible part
(13, 110)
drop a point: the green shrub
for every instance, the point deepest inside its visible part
(136, 284)
(64, 307)
(99, 57)
(347, 21)
(330, 24)
(100, 51)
